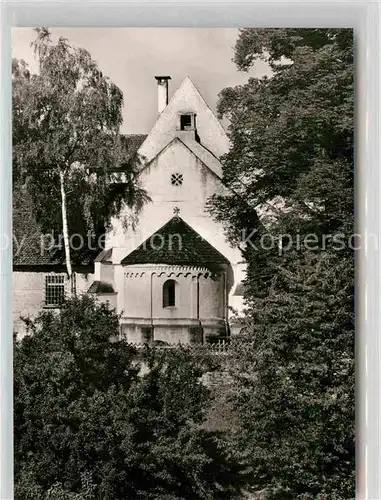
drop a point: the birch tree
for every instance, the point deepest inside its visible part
(66, 121)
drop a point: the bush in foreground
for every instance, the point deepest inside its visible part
(88, 425)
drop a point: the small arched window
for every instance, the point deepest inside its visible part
(169, 293)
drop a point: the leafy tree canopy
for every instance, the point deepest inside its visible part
(66, 120)
(90, 425)
(292, 132)
(290, 167)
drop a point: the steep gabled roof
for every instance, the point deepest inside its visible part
(187, 98)
(176, 243)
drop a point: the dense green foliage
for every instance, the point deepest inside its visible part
(89, 424)
(66, 119)
(291, 164)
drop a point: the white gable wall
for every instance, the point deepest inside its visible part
(199, 183)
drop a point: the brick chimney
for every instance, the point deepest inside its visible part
(162, 92)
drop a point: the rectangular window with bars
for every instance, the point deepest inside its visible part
(54, 289)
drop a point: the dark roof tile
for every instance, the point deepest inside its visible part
(176, 243)
(28, 238)
(131, 143)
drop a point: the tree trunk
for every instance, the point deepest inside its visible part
(66, 233)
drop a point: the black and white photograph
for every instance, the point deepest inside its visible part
(183, 263)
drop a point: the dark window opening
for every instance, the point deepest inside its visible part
(169, 293)
(186, 122)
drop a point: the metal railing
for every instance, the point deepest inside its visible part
(219, 346)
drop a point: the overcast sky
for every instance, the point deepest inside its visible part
(131, 57)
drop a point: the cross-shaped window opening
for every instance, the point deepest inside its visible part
(176, 179)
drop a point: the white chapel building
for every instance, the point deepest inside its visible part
(173, 277)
